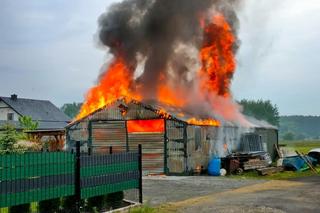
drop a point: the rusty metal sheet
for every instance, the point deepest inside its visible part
(176, 161)
(109, 133)
(152, 150)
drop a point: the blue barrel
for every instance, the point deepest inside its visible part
(214, 166)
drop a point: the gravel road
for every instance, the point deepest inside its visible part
(221, 194)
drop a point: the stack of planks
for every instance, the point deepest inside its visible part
(254, 164)
(269, 170)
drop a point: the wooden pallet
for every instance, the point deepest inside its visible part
(269, 170)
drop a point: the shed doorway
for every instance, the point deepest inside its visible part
(150, 134)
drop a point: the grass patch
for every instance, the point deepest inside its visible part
(4, 210)
(144, 209)
(165, 208)
(302, 146)
(34, 208)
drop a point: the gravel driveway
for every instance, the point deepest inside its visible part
(163, 189)
(221, 194)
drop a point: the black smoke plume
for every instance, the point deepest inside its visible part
(153, 29)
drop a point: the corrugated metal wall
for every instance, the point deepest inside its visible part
(152, 150)
(269, 138)
(176, 142)
(79, 132)
(136, 112)
(199, 146)
(251, 142)
(109, 133)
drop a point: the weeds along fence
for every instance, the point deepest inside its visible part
(38, 176)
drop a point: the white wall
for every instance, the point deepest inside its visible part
(4, 110)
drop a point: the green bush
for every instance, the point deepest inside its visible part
(68, 204)
(23, 208)
(49, 206)
(96, 203)
(114, 200)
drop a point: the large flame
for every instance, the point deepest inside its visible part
(217, 61)
(116, 83)
(217, 57)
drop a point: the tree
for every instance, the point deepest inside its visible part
(289, 136)
(71, 110)
(8, 138)
(27, 123)
(261, 110)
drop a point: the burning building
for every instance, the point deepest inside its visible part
(167, 85)
(171, 143)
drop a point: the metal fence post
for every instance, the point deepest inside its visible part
(110, 150)
(140, 173)
(77, 177)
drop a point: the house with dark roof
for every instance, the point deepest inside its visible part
(44, 112)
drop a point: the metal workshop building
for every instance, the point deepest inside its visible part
(172, 146)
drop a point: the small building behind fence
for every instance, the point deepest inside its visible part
(170, 144)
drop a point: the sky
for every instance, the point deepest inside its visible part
(48, 50)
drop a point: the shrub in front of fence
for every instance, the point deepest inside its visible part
(25, 208)
(49, 206)
(96, 203)
(68, 204)
(114, 200)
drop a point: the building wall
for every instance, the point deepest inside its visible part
(152, 150)
(269, 139)
(4, 110)
(221, 141)
(107, 128)
(199, 146)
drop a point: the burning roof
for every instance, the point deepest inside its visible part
(167, 112)
(176, 113)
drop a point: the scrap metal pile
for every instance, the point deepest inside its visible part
(237, 163)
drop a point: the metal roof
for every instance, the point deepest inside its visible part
(47, 114)
(179, 114)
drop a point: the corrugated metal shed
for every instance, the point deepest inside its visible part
(179, 149)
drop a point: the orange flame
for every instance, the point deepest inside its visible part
(217, 57)
(114, 84)
(146, 125)
(203, 122)
(168, 96)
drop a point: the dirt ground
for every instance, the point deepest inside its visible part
(221, 194)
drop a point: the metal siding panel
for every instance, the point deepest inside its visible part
(268, 136)
(152, 150)
(109, 133)
(175, 147)
(136, 111)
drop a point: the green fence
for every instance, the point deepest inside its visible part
(33, 177)
(29, 177)
(108, 173)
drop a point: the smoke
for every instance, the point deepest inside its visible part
(154, 30)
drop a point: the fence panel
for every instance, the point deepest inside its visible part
(104, 174)
(31, 177)
(35, 176)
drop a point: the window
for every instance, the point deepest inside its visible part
(10, 116)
